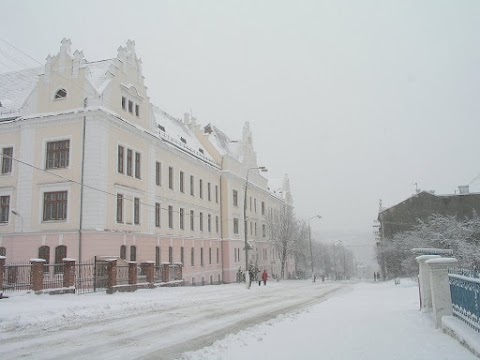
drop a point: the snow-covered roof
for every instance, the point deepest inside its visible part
(15, 87)
(222, 143)
(177, 133)
(98, 74)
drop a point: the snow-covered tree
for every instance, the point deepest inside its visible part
(438, 231)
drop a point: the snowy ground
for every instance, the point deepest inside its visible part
(286, 320)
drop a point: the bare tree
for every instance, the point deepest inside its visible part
(286, 234)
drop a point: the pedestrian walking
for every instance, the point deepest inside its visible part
(259, 278)
(264, 277)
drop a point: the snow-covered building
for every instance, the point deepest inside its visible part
(90, 167)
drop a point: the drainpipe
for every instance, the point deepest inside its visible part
(80, 226)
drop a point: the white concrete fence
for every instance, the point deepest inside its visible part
(434, 286)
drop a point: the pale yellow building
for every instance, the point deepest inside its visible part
(90, 167)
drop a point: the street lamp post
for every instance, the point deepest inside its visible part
(247, 273)
(310, 241)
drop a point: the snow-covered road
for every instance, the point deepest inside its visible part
(156, 324)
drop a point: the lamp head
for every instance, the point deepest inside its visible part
(15, 212)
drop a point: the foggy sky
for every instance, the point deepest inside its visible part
(355, 100)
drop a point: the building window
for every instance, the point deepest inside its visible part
(4, 208)
(119, 208)
(235, 198)
(263, 208)
(136, 211)
(218, 255)
(7, 154)
(129, 162)
(60, 254)
(57, 154)
(133, 253)
(3, 251)
(182, 255)
(157, 255)
(192, 220)
(264, 230)
(61, 94)
(216, 194)
(192, 187)
(209, 192)
(55, 205)
(170, 216)
(255, 229)
(182, 189)
(201, 221)
(137, 165)
(216, 224)
(170, 255)
(209, 223)
(121, 155)
(123, 252)
(170, 177)
(158, 173)
(255, 205)
(201, 256)
(124, 103)
(192, 257)
(210, 256)
(44, 253)
(137, 110)
(182, 215)
(235, 225)
(201, 188)
(157, 214)
(130, 106)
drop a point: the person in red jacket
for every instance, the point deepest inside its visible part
(264, 277)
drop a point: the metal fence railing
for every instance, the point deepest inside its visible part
(53, 276)
(465, 290)
(16, 277)
(122, 274)
(158, 274)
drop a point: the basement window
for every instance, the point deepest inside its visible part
(60, 94)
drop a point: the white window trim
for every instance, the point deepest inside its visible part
(44, 152)
(43, 188)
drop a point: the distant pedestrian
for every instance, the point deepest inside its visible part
(374, 276)
(259, 278)
(264, 277)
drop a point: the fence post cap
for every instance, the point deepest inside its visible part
(38, 260)
(165, 263)
(2, 257)
(441, 262)
(148, 262)
(69, 259)
(426, 257)
(178, 263)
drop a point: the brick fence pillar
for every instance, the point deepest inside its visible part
(68, 272)
(111, 275)
(2, 270)
(132, 273)
(165, 272)
(179, 271)
(36, 277)
(149, 271)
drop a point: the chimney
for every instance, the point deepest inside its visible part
(464, 189)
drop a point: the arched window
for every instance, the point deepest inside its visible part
(157, 255)
(133, 253)
(44, 253)
(123, 252)
(60, 254)
(3, 251)
(60, 94)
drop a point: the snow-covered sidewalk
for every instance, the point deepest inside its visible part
(376, 321)
(285, 320)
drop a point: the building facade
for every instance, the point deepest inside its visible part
(90, 167)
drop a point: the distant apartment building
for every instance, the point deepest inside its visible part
(90, 167)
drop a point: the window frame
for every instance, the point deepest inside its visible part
(57, 158)
(62, 203)
(7, 161)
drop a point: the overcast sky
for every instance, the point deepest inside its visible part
(355, 100)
